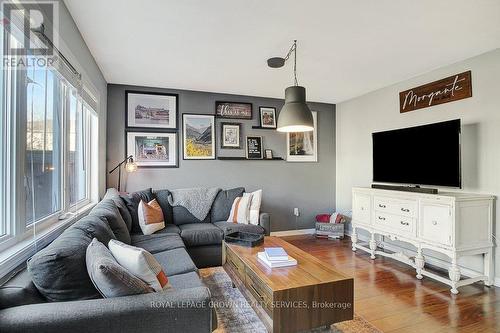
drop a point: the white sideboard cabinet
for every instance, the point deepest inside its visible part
(455, 224)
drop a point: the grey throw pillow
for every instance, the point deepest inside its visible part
(109, 277)
(223, 202)
(107, 209)
(114, 195)
(132, 202)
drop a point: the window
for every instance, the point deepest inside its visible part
(48, 145)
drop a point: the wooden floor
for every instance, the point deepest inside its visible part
(388, 295)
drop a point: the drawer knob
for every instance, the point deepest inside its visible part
(381, 218)
(405, 210)
(434, 222)
(382, 206)
(405, 223)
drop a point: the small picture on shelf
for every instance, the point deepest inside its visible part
(267, 117)
(230, 135)
(254, 147)
(269, 154)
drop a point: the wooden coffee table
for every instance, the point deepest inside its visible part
(290, 299)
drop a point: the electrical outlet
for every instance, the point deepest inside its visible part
(296, 212)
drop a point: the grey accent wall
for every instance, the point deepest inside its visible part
(285, 185)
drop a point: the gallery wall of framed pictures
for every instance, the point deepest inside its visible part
(151, 128)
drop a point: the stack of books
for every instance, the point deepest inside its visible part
(276, 257)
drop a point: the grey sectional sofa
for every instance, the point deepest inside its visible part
(55, 293)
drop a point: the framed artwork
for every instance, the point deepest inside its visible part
(254, 148)
(303, 146)
(233, 110)
(269, 154)
(230, 135)
(198, 136)
(153, 149)
(267, 117)
(151, 110)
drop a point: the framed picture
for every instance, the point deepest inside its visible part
(269, 154)
(267, 117)
(151, 110)
(254, 147)
(230, 135)
(303, 146)
(198, 136)
(153, 149)
(233, 110)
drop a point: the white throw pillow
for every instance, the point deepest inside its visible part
(255, 206)
(140, 263)
(150, 217)
(240, 210)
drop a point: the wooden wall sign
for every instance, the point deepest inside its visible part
(233, 110)
(442, 91)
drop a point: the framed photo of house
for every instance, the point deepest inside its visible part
(199, 136)
(254, 148)
(267, 117)
(230, 135)
(303, 146)
(151, 110)
(234, 110)
(151, 149)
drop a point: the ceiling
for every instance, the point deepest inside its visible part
(346, 48)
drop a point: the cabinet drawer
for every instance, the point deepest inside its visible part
(398, 207)
(259, 291)
(436, 223)
(235, 263)
(402, 224)
(361, 207)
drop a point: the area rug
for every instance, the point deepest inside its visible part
(234, 313)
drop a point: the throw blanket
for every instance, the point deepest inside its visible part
(197, 201)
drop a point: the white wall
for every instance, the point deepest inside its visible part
(358, 118)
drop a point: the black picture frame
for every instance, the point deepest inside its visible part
(131, 127)
(255, 144)
(176, 148)
(220, 105)
(275, 125)
(268, 152)
(213, 135)
(222, 135)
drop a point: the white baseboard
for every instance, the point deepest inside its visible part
(293, 232)
(431, 260)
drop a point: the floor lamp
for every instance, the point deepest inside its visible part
(130, 166)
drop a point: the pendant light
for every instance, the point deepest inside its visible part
(295, 116)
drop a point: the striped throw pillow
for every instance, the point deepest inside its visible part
(140, 263)
(240, 210)
(150, 217)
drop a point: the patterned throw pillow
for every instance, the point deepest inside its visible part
(150, 217)
(140, 263)
(254, 206)
(109, 277)
(240, 211)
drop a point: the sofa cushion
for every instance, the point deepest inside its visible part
(108, 276)
(223, 202)
(157, 242)
(185, 281)
(176, 261)
(19, 290)
(182, 216)
(132, 202)
(113, 194)
(169, 229)
(59, 271)
(196, 234)
(162, 198)
(228, 227)
(107, 209)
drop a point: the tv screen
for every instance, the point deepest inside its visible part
(423, 155)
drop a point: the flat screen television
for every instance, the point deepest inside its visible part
(422, 155)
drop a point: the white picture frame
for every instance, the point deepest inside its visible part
(267, 117)
(192, 139)
(149, 149)
(296, 141)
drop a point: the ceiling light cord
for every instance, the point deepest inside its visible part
(294, 50)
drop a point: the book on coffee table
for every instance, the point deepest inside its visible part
(276, 254)
(275, 264)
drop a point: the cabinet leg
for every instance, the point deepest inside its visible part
(488, 268)
(373, 246)
(419, 263)
(354, 238)
(454, 274)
